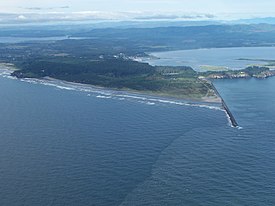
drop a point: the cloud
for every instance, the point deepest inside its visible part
(22, 17)
(157, 17)
(44, 17)
(34, 8)
(44, 8)
(54, 16)
(198, 16)
(175, 17)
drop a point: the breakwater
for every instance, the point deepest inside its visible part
(226, 108)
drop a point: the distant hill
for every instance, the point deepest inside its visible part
(190, 37)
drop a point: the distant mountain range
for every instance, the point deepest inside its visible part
(84, 29)
(267, 20)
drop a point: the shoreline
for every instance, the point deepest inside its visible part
(226, 108)
(104, 92)
(207, 100)
(203, 99)
(144, 97)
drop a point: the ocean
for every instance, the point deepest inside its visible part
(68, 145)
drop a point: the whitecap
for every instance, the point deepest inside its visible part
(150, 103)
(108, 94)
(103, 97)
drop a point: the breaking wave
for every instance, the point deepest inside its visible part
(104, 93)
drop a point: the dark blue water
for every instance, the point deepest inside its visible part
(60, 147)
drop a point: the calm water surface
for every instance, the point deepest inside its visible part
(219, 57)
(65, 147)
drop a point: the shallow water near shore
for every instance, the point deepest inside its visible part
(61, 146)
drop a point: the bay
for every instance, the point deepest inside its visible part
(226, 58)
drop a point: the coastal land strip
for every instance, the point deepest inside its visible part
(142, 78)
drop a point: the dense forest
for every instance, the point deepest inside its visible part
(103, 57)
(119, 74)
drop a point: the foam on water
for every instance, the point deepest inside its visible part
(109, 94)
(103, 93)
(104, 152)
(103, 97)
(4, 72)
(228, 119)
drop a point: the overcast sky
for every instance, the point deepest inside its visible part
(209, 6)
(119, 9)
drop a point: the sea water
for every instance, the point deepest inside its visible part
(67, 146)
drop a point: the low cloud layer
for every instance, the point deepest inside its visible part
(44, 8)
(174, 17)
(46, 15)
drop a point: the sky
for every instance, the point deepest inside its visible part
(24, 10)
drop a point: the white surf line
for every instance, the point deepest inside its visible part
(105, 94)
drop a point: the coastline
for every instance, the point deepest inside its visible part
(226, 108)
(216, 103)
(209, 97)
(150, 95)
(215, 99)
(106, 93)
